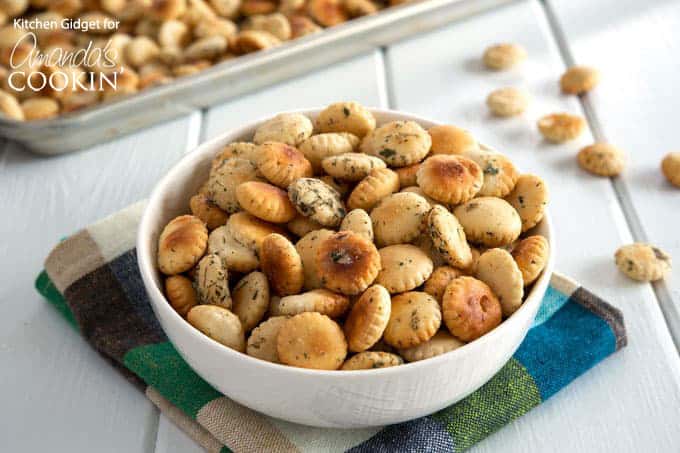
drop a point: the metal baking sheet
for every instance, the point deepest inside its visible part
(243, 74)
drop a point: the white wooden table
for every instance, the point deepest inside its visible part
(58, 395)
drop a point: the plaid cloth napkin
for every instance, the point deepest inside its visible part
(92, 279)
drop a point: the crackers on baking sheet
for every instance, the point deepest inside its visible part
(357, 245)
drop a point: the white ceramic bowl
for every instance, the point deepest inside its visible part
(339, 399)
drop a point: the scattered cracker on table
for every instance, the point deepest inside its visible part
(579, 79)
(643, 262)
(503, 56)
(508, 101)
(602, 159)
(561, 127)
(670, 167)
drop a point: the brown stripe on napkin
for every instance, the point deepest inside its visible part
(112, 321)
(608, 313)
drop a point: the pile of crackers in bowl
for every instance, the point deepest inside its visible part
(341, 244)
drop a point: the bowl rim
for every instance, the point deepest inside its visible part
(147, 263)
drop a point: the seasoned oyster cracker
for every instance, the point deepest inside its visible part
(321, 301)
(450, 179)
(236, 256)
(262, 340)
(250, 299)
(643, 262)
(180, 293)
(282, 265)
(602, 159)
(369, 360)
(404, 267)
(242, 150)
(561, 127)
(219, 324)
(398, 143)
(282, 164)
(307, 247)
(439, 344)
(349, 117)
(347, 263)
(311, 340)
(470, 308)
(500, 174)
(489, 221)
(351, 166)
(379, 183)
(505, 102)
(398, 218)
(503, 56)
(224, 178)
(498, 269)
(265, 201)
(670, 167)
(418, 191)
(449, 139)
(212, 281)
(439, 280)
(249, 230)
(424, 243)
(358, 221)
(529, 197)
(206, 210)
(317, 200)
(407, 175)
(579, 79)
(342, 187)
(448, 237)
(531, 256)
(289, 128)
(321, 146)
(368, 319)
(301, 225)
(181, 244)
(415, 318)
